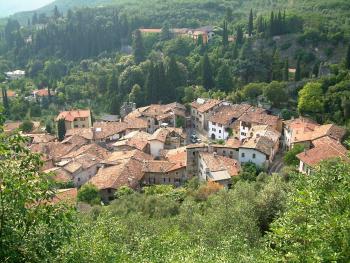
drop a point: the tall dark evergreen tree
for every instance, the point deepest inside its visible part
(272, 24)
(174, 78)
(5, 100)
(165, 33)
(161, 84)
(139, 50)
(207, 73)
(151, 84)
(239, 35)
(286, 70)
(224, 80)
(347, 59)
(225, 34)
(235, 51)
(113, 94)
(61, 129)
(250, 23)
(298, 71)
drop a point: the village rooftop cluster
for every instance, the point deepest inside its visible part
(146, 146)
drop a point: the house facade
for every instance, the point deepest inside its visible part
(76, 119)
(222, 118)
(201, 109)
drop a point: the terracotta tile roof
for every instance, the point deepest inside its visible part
(72, 115)
(154, 166)
(226, 113)
(75, 140)
(161, 134)
(325, 148)
(217, 163)
(310, 133)
(136, 123)
(117, 157)
(91, 149)
(261, 144)
(86, 133)
(10, 93)
(60, 174)
(42, 92)
(127, 172)
(53, 150)
(135, 139)
(301, 123)
(150, 30)
(41, 138)
(206, 105)
(262, 138)
(68, 196)
(103, 130)
(11, 126)
(233, 143)
(330, 130)
(261, 118)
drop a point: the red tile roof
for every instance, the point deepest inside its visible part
(72, 115)
(325, 148)
(206, 105)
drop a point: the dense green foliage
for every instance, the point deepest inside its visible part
(31, 228)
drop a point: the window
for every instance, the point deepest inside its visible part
(224, 152)
(219, 131)
(231, 152)
(83, 126)
(254, 155)
(214, 123)
(76, 126)
(194, 153)
(164, 180)
(213, 129)
(220, 125)
(243, 155)
(78, 179)
(109, 190)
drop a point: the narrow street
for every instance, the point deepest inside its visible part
(277, 164)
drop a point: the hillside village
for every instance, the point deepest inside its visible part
(147, 146)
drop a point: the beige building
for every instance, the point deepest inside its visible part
(324, 148)
(158, 115)
(302, 131)
(76, 119)
(166, 139)
(120, 169)
(201, 109)
(216, 168)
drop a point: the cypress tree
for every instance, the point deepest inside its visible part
(224, 80)
(150, 84)
(286, 70)
(173, 77)
(316, 69)
(139, 50)
(161, 84)
(61, 129)
(272, 24)
(113, 94)
(225, 34)
(298, 71)
(239, 35)
(347, 59)
(207, 74)
(235, 51)
(5, 101)
(250, 23)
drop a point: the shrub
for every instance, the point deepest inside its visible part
(89, 194)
